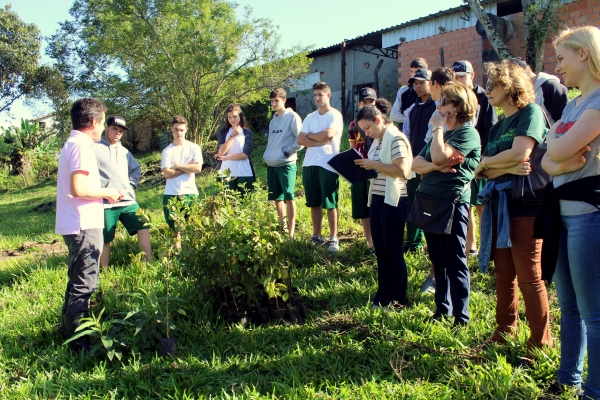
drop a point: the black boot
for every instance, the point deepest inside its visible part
(70, 324)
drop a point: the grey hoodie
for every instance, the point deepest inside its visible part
(283, 137)
(118, 170)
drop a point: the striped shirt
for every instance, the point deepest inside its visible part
(399, 150)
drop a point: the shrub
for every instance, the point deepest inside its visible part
(232, 244)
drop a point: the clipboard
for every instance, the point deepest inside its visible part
(343, 164)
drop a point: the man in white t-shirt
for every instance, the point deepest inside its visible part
(321, 134)
(181, 161)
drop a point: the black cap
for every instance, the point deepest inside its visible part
(518, 61)
(367, 93)
(422, 74)
(118, 121)
(462, 67)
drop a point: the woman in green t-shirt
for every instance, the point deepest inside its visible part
(509, 224)
(446, 164)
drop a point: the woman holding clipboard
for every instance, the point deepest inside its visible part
(390, 155)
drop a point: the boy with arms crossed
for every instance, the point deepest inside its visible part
(320, 134)
(280, 157)
(181, 161)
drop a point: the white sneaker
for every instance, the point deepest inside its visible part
(333, 244)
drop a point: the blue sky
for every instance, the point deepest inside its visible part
(309, 22)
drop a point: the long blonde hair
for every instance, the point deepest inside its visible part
(585, 36)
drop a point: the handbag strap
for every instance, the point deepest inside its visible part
(462, 191)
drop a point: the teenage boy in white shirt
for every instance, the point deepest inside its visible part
(321, 134)
(181, 161)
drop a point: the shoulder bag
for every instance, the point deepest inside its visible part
(432, 214)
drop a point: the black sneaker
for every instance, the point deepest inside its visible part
(555, 390)
(317, 240)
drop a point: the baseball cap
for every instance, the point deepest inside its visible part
(367, 93)
(118, 121)
(462, 67)
(518, 61)
(422, 74)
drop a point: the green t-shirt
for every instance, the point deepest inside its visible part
(528, 121)
(466, 141)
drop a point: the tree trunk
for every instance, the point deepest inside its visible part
(490, 31)
(537, 30)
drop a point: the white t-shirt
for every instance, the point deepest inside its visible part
(314, 123)
(183, 154)
(239, 168)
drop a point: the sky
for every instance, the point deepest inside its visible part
(318, 23)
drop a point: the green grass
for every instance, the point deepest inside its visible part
(343, 351)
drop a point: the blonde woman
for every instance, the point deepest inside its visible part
(572, 210)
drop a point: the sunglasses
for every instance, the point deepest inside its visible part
(489, 86)
(444, 101)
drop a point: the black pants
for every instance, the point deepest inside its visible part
(448, 255)
(84, 255)
(387, 228)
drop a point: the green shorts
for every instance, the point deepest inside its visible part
(281, 182)
(321, 187)
(188, 199)
(360, 199)
(128, 218)
(476, 186)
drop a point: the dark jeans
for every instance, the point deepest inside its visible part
(386, 223)
(84, 254)
(414, 235)
(452, 281)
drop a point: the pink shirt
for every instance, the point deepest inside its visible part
(75, 214)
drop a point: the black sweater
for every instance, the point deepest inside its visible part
(419, 124)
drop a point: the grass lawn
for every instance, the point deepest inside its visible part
(342, 351)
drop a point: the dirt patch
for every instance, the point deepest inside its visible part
(57, 246)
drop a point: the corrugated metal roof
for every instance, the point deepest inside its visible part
(336, 47)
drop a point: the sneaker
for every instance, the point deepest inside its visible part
(473, 253)
(318, 240)
(333, 244)
(428, 285)
(555, 390)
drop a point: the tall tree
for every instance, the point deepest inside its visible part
(152, 59)
(21, 75)
(540, 19)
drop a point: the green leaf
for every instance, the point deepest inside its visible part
(107, 341)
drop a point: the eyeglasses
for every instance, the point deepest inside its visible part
(489, 86)
(444, 101)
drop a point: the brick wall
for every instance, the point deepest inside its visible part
(466, 44)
